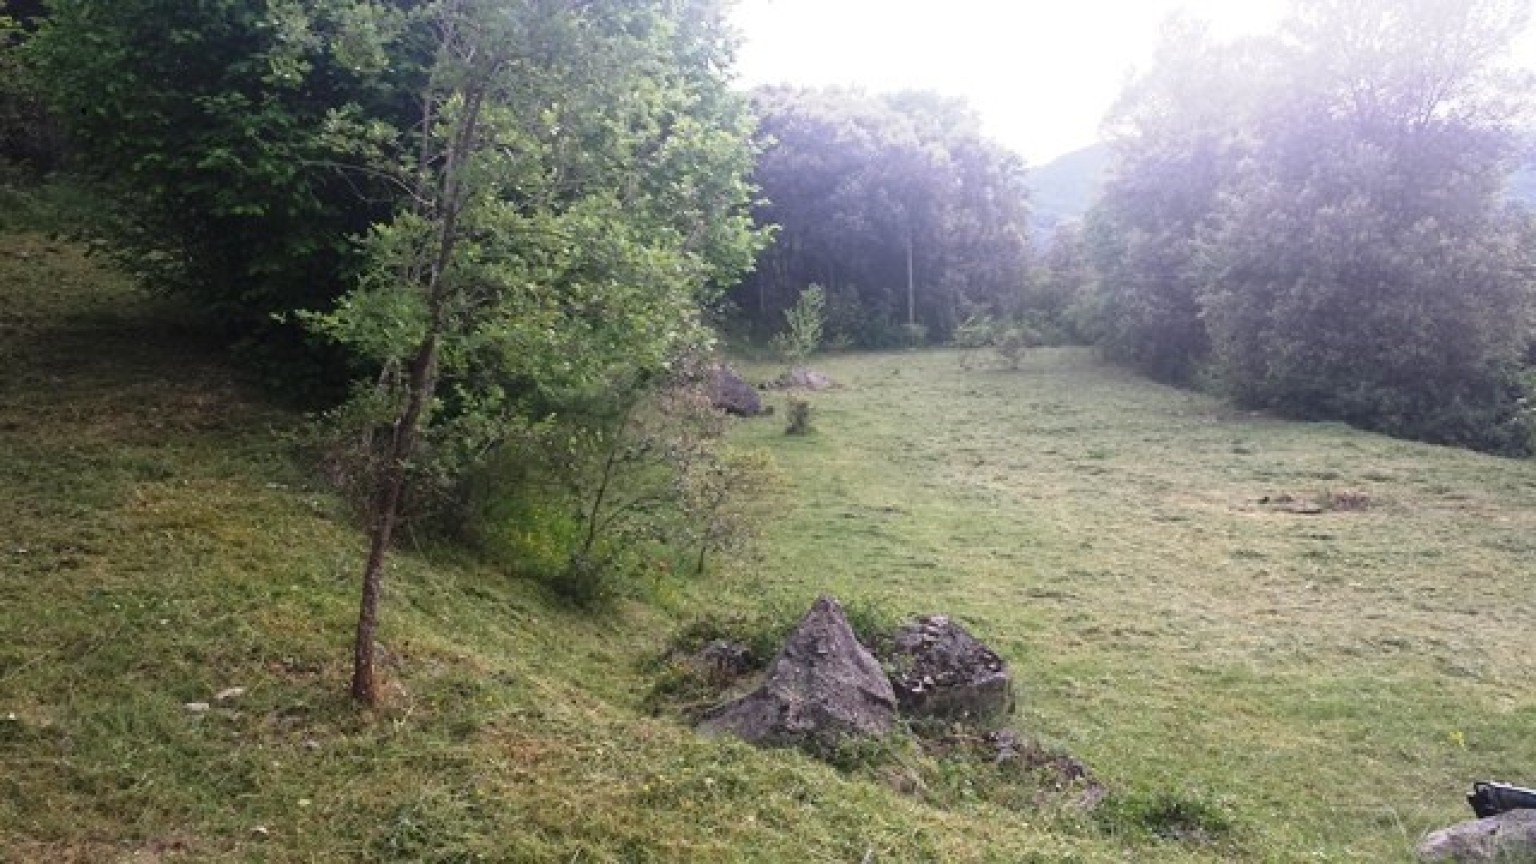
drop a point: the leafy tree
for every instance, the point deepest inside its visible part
(576, 193)
(804, 322)
(1178, 133)
(1365, 268)
(29, 139)
(214, 129)
(1316, 223)
(895, 204)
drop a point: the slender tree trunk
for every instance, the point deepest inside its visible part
(386, 514)
(911, 287)
(450, 194)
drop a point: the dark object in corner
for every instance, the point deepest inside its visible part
(1491, 799)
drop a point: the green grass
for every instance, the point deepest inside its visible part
(1337, 677)
(1251, 683)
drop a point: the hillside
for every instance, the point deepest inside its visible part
(1063, 189)
(1271, 641)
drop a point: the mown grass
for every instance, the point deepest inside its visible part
(1335, 678)
(1265, 685)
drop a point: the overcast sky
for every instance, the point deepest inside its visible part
(1040, 72)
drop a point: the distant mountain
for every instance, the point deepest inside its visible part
(1066, 187)
(1522, 187)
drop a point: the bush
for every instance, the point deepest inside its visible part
(622, 491)
(799, 414)
(805, 321)
(1188, 817)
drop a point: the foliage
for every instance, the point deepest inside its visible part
(1321, 231)
(29, 139)
(1365, 268)
(215, 125)
(799, 414)
(1008, 340)
(623, 492)
(804, 322)
(1062, 282)
(896, 204)
(576, 194)
(1177, 134)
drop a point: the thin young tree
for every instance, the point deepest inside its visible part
(574, 193)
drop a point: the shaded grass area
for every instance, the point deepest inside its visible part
(1252, 683)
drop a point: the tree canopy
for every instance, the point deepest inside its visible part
(501, 212)
(895, 204)
(1317, 222)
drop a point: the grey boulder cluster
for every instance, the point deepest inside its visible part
(824, 685)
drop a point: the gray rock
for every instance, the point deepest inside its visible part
(1508, 838)
(804, 378)
(732, 395)
(822, 687)
(943, 674)
(723, 661)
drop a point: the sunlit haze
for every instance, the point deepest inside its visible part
(1040, 74)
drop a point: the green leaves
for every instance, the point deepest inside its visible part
(1322, 231)
(578, 192)
(896, 205)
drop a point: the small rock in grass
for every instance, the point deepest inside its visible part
(198, 707)
(229, 693)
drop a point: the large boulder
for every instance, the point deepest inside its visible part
(822, 687)
(943, 674)
(1508, 836)
(732, 395)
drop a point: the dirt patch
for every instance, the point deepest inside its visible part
(1332, 501)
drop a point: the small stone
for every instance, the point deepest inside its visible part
(311, 744)
(229, 693)
(260, 832)
(198, 707)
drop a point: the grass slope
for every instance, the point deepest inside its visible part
(1331, 680)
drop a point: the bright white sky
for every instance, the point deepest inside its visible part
(1041, 73)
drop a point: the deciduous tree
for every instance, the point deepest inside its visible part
(575, 194)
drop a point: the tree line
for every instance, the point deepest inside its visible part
(895, 205)
(1316, 222)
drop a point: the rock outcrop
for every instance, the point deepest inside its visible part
(943, 674)
(1508, 836)
(732, 395)
(822, 687)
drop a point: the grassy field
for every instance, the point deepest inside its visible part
(1311, 638)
